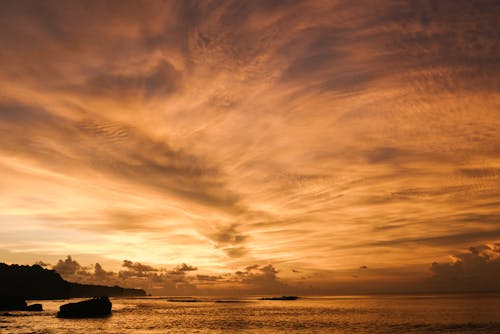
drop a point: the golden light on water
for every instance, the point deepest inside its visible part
(308, 146)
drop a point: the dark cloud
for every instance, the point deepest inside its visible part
(230, 240)
(129, 220)
(159, 281)
(228, 235)
(481, 172)
(182, 269)
(260, 278)
(461, 30)
(42, 264)
(175, 281)
(406, 35)
(441, 240)
(208, 278)
(317, 50)
(136, 269)
(12, 113)
(330, 58)
(235, 251)
(76, 29)
(102, 274)
(385, 154)
(477, 270)
(67, 267)
(160, 81)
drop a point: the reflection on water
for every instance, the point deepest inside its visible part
(365, 314)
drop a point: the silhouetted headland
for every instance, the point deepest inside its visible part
(35, 282)
(280, 298)
(92, 308)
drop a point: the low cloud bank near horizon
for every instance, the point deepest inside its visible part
(474, 270)
(179, 280)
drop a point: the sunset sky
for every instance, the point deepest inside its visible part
(253, 146)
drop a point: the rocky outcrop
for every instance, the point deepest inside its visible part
(11, 303)
(34, 307)
(92, 308)
(280, 298)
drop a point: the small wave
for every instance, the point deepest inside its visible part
(8, 314)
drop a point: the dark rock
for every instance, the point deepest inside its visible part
(16, 303)
(92, 308)
(280, 298)
(34, 307)
(12, 303)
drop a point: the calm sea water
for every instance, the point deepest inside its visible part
(353, 314)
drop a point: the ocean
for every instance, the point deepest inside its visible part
(340, 314)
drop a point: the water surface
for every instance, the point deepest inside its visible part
(346, 314)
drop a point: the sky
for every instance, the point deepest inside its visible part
(231, 147)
